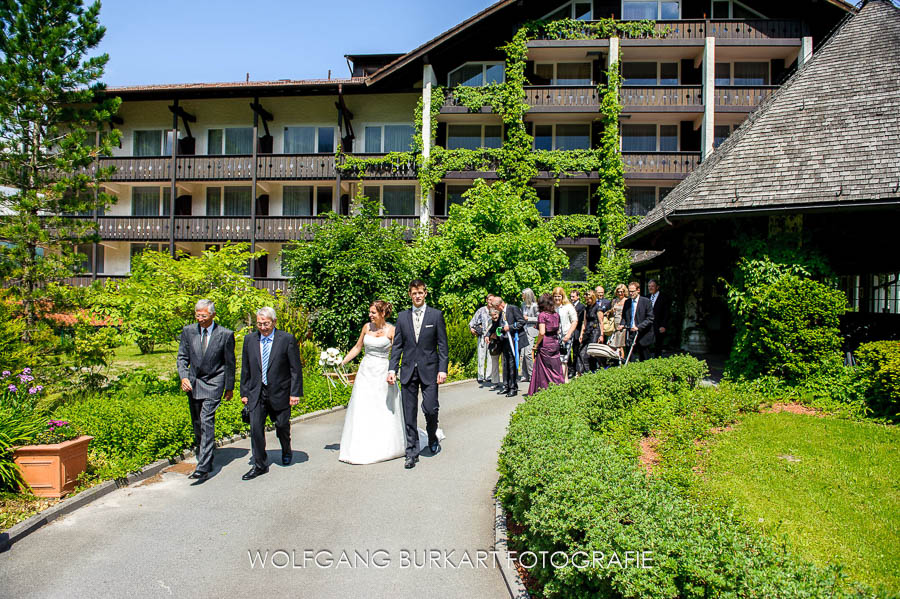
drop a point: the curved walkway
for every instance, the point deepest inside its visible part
(171, 538)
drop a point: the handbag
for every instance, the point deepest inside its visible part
(245, 415)
(609, 327)
(494, 347)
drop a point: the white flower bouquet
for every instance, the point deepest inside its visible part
(332, 358)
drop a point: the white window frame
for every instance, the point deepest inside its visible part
(164, 138)
(161, 213)
(315, 126)
(482, 125)
(659, 4)
(731, 64)
(222, 129)
(553, 137)
(553, 192)
(381, 126)
(657, 192)
(731, 4)
(571, 5)
(659, 64)
(417, 197)
(484, 65)
(555, 78)
(658, 125)
(315, 197)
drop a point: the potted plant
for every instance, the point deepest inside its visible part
(52, 464)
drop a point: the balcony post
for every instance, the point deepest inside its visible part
(707, 131)
(806, 50)
(613, 52)
(173, 183)
(428, 82)
(253, 186)
(96, 212)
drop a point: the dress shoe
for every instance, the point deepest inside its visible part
(435, 448)
(286, 458)
(199, 476)
(512, 393)
(410, 463)
(254, 472)
(498, 388)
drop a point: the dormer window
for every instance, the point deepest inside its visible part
(476, 74)
(635, 10)
(580, 11)
(732, 9)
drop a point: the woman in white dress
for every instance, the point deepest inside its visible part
(568, 322)
(373, 426)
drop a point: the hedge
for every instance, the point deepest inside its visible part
(880, 365)
(573, 490)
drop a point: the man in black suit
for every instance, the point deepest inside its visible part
(271, 382)
(206, 367)
(576, 364)
(604, 304)
(420, 339)
(513, 323)
(660, 303)
(637, 319)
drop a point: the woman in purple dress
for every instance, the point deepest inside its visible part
(547, 366)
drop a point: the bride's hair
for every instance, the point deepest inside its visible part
(384, 308)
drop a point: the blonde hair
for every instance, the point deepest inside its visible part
(622, 287)
(590, 297)
(562, 292)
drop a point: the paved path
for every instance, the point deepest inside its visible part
(173, 539)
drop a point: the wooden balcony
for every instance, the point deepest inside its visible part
(740, 98)
(676, 98)
(133, 228)
(746, 31)
(405, 170)
(660, 165)
(271, 284)
(552, 98)
(134, 169)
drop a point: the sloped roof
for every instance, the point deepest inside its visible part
(829, 137)
(280, 83)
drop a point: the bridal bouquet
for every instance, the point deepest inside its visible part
(332, 358)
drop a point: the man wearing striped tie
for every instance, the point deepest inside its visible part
(271, 382)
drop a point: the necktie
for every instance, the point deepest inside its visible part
(654, 299)
(265, 359)
(417, 321)
(204, 341)
(633, 310)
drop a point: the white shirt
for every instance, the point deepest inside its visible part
(567, 315)
(653, 298)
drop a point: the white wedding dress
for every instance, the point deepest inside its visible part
(373, 427)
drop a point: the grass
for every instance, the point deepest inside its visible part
(128, 357)
(830, 488)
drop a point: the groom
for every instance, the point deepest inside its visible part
(420, 338)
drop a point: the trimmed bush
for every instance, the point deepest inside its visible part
(879, 362)
(461, 344)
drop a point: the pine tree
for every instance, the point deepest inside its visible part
(54, 121)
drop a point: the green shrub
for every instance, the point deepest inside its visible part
(17, 427)
(462, 345)
(879, 363)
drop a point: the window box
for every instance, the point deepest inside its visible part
(52, 470)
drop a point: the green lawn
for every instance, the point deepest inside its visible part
(832, 487)
(162, 359)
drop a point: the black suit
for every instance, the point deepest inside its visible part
(512, 315)
(576, 365)
(660, 320)
(422, 360)
(284, 380)
(644, 322)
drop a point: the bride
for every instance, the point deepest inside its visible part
(373, 426)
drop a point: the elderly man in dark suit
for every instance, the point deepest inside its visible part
(660, 303)
(271, 382)
(513, 323)
(637, 320)
(420, 341)
(206, 366)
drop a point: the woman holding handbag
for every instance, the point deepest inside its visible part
(592, 331)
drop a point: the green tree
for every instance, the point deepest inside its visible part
(49, 118)
(350, 262)
(495, 242)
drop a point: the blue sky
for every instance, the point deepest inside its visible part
(188, 41)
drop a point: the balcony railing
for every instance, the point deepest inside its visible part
(682, 96)
(742, 29)
(133, 228)
(551, 96)
(271, 284)
(401, 171)
(663, 164)
(134, 168)
(743, 96)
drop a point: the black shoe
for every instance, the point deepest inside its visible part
(512, 393)
(410, 463)
(286, 458)
(435, 448)
(502, 391)
(498, 388)
(199, 476)
(254, 472)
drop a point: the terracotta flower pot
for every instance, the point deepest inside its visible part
(52, 470)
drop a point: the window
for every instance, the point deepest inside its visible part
(150, 143)
(150, 201)
(745, 73)
(399, 200)
(87, 250)
(309, 140)
(573, 199)
(231, 141)
(721, 133)
(380, 139)
(544, 201)
(455, 195)
(649, 138)
(578, 262)
(633, 10)
(562, 137)
(650, 73)
(564, 73)
(324, 199)
(580, 11)
(137, 248)
(298, 200)
(472, 137)
(732, 9)
(639, 200)
(213, 201)
(238, 201)
(476, 74)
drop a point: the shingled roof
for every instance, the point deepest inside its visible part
(829, 137)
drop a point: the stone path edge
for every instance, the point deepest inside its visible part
(70, 504)
(511, 577)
